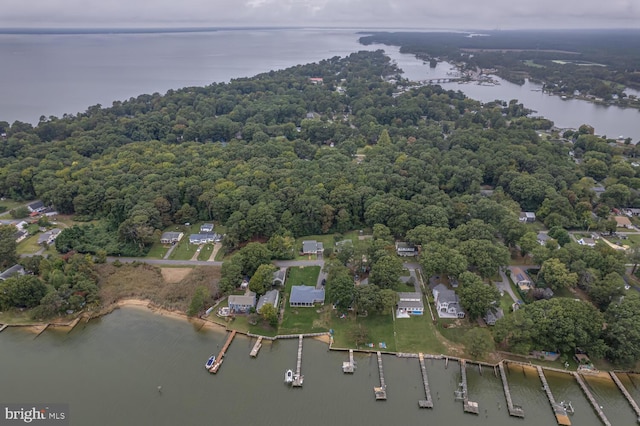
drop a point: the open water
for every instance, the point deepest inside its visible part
(109, 370)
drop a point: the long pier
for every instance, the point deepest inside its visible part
(256, 347)
(514, 411)
(349, 366)
(591, 399)
(624, 391)
(428, 402)
(468, 406)
(380, 391)
(298, 378)
(3, 326)
(220, 357)
(558, 410)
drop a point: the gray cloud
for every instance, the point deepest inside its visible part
(364, 13)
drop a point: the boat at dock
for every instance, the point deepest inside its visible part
(288, 376)
(210, 362)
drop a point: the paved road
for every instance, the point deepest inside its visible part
(505, 286)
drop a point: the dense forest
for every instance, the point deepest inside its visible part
(335, 146)
(599, 63)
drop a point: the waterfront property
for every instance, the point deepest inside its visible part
(270, 297)
(305, 296)
(171, 237)
(242, 304)
(409, 304)
(447, 302)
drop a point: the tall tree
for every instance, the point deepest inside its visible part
(8, 254)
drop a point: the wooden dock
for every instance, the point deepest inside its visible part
(514, 410)
(256, 347)
(558, 410)
(380, 391)
(41, 330)
(624, 391)
(220, 357)
(3, 326)
(348, 367)
(592, 400)
(467, 406)
(428, 402)
(298, 378)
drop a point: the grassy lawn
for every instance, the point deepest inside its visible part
(505, 303)
(10, 204)
(378, 328)
(16, 317)
(183, 250)
(302, 320)
(205, 252)
(632, 240)
(302, 276)
(157, 251)
(418, 334)
(29, 246)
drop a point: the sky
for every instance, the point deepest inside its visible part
(449, 14)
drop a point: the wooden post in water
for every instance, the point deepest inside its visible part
(467, 406)
(299, 378)
(380, 391)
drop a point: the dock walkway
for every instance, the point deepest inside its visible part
(624, 391)
(220, 357)
(591, 399)
(514, 410)
(298, 378)
(428, 402)
(256, 347)
(349, 366)
(558, 410)
(380, 391)
(3, 326)
(468, 406)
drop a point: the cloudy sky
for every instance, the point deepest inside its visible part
(467, 14)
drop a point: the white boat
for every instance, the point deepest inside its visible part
(288, 376)
(210, 362)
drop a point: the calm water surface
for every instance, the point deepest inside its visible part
(109, 371)
(45, 74)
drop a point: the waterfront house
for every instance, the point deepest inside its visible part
(312, 247)
(171, 237)
(271, 297)
(527, 217)
(279, 277)
(206, 228)
(49, 237)
(447, 302)
(242, 304)
(305, 296)
(409, 303)
(14, 270)
(493, 315)
(406, 249)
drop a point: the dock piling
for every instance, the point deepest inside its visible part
(3, 326)
(591, 399)
(349, 366)
(428, 402)
(558, 410)
(380, 391)
(624, 391)
(514, 411)
(467, 406)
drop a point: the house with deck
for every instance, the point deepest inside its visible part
(171, 237)
(305, 296)
(242, 304)
(447, 302)
(409, 303)
(271, 297)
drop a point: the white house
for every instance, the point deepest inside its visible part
(527, 217)
(171, 237)
(202, 238)
(406, 249)
(447, 302)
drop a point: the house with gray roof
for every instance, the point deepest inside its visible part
(447, 302)
(171, 237)
(543, 238)
(406, 249)
(271, 297)
(242, 304)
(409, 303)
(36, 206)
(203, 238)
(312, 247)
(527, 217)
(14, 270)
(49, 237)
(493, 315)
(305, 296)
(206, 228)
(279, 277)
